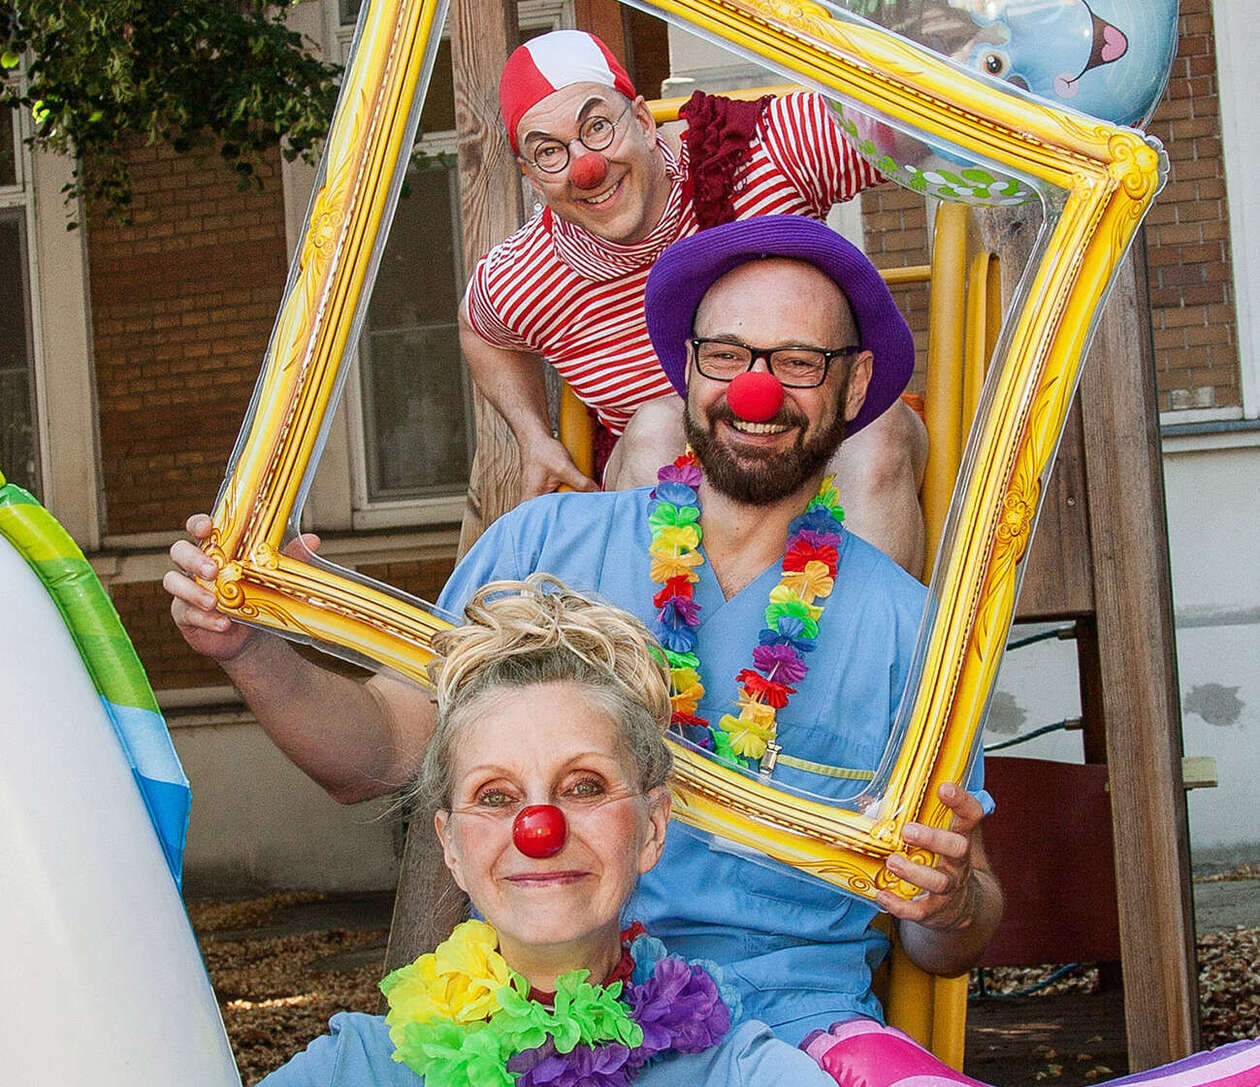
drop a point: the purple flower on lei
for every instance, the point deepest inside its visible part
(647, 951)
(780, 663)
(678, 612)
(608, 1065)
(688, 475)
(679, 1008)
(820, 539)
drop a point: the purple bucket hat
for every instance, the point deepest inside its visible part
(687, 269)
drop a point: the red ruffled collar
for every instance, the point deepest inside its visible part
(620, 972)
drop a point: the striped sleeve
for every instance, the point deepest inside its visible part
(484, 304)
(799, 132)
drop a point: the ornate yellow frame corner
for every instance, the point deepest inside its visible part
(1103, 179)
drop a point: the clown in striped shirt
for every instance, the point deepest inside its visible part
(614, 192)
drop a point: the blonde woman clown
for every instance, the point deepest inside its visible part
(547, 778)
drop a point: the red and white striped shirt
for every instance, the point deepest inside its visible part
(558, 291)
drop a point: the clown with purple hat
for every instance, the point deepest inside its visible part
(613, 191)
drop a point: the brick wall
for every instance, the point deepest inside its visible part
(896, 236)
(183, 300)
(1192, 303)
(144, 609)
(424, 579)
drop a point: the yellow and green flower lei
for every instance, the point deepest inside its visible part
(461, 1017)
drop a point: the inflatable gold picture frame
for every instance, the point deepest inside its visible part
(1104, 179)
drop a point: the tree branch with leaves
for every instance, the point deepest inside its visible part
(98, 76)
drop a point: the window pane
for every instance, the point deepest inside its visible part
(18, 447)
(8, 159)
(438, 114)
(349, 11)
(414, 387)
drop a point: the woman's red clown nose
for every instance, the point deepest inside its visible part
(755, 396)
(539, 831)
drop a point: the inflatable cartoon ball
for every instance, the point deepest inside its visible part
(1107, 58)
(102, 983)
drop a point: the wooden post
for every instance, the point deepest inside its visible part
(483, 32)
(428, 904)
(1100, 555)
(606, 19)
(1138, 667)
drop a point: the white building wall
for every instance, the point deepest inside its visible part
(1214, 527)
(258, 822)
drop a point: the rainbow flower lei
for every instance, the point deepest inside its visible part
(808, 575)
(461, 1017)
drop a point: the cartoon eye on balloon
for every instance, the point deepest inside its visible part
(1107, 58)
(996, 64)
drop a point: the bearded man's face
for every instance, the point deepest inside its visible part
(772, 303)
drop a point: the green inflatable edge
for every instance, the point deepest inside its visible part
(86, 608)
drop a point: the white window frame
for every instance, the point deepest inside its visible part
(1237, 34)
(18, 197)
(56, 264)
(338, 498)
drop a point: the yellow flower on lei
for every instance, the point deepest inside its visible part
(827, 493)
(756, 711)
(748, 737)
(812, 582)
(682, 678)
(459, 981)
(666, 566)
(782, 594)
(687, 700)
(674, 538)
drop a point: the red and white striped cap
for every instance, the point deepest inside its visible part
(550, 62)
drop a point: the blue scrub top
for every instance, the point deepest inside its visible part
(800, 951)
(358, 1052)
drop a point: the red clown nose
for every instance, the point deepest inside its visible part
(755, 396)
(588, 170)
(539, 831)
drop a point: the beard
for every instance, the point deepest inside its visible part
(756, 477)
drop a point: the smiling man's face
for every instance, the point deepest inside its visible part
(774, 303)
(629, 200)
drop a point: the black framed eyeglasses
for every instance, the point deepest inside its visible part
(551, 156)
(795, 367)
